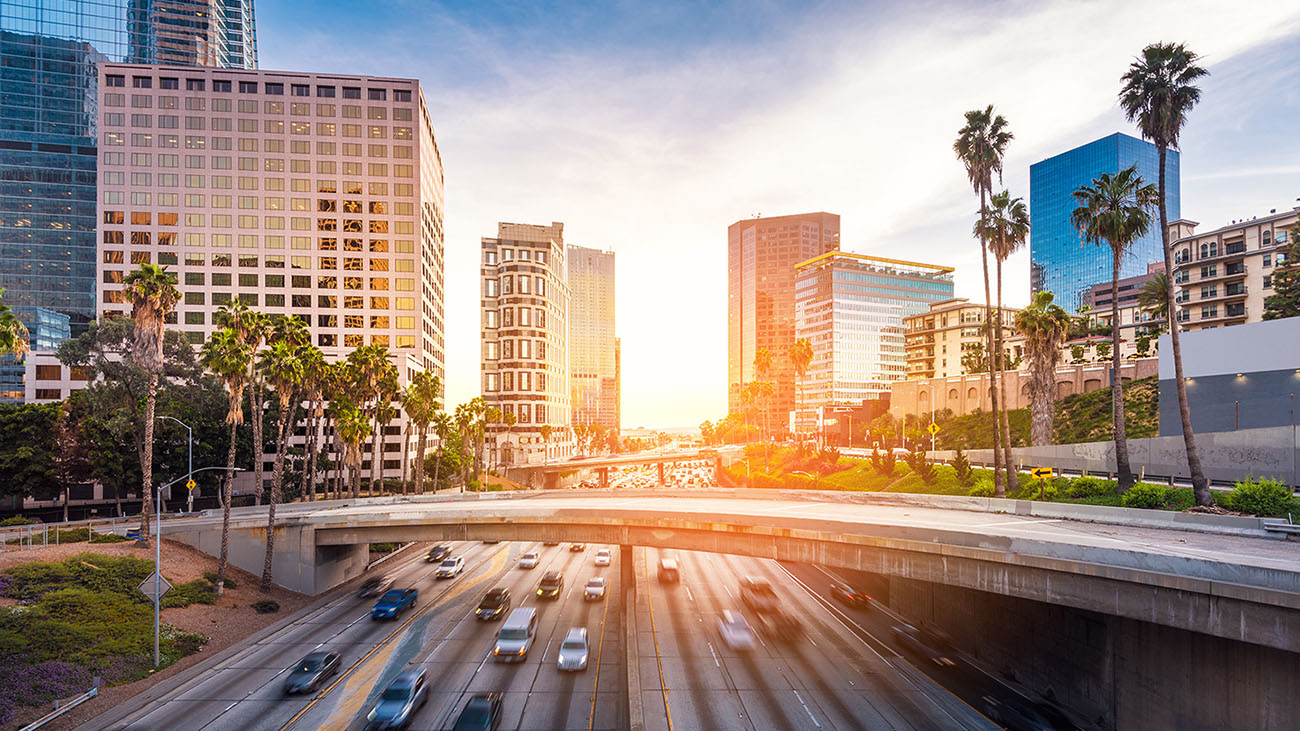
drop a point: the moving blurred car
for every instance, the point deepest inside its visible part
(311, 672)
(1026, 715)
(844, 594)
(393, 603)
(528, 560)
(494, 604)
(595, 589)
(374, 586)
(450, 568)
(924, 645)
(779, 626)
(550, 543)
(399, 701)
(481, 713)
(437, 553)
(757, 594)
(516, 636)
(551, 585)
(668, 573)
(577, 547)
(735, 631)
(603, 557)
(573, 650)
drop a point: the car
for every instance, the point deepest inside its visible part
(482, 712)
(494, 604)
(550, 543)
(780, 626)
(551, 585)
(374, 586)
(450, 568)
(668, 572)
(399, 701)
(757, 594)
(1025, 715)
(529, 560)
(492, 542)
(846, 595)
(437, 553)
(393, 603)
(924, 645)
(516, 635)
(573, 650)
(603, 557)
(595, 589)
(577, 547)
(735, 631)
(311, 672)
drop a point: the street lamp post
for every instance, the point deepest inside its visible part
(189, 504)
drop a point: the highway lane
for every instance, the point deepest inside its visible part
(828, 678)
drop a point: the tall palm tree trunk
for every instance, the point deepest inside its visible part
(376, 448)
(146, 458)
(437, 463)
(406, 458)
(308, 484)
(1200, 485)
(1122, 471)
(277, 483)
(999, 488)
(421, 439)
(227, 488)
(1012, 480)
(259, 444)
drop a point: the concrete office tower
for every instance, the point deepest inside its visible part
(1059, 260)
(525, 357)
(193, 33)
(761, 255)
(314, 195)
(851, 309)
(593, 363)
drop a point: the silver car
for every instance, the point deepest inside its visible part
(450, 568)
(399, 701)
(595, 589)
(573, 650)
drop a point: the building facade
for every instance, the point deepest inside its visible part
(761, 256)
(939, 338)
(525, 357)
(1139, 328)
(593, 362)
(1060, 262)
(1223, 277)
(851, 309)
(218, 33)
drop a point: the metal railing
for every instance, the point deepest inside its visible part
(59, 710)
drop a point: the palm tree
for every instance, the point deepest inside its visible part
(315, 375)
(377, 385)
(420, 401)
(14, 338)
(1005, 228)
(153, 295)
(251, 327)
(227, 357)
(763, 367)
(353, 427)
(545, 433)
(1153, 299)
(1043, 325)
(1115, 210)
(800, 353)
(1158, 93)
(980, 146)
(282, 369)
(442, 426)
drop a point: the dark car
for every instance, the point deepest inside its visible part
(1026, 715)
(577, 547)
(481, 712)
(399, 701)
(845, 594)
(374, 586)
(437, 553)
(550, 543)
(393, 603)
(779, 626)
(924, 645)
(494, 604)
(551, 585)
(311, 672)
(757, 594)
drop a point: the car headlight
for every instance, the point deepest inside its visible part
(522, 650)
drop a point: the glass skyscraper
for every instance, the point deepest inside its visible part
(1059, 260)
(48, 105)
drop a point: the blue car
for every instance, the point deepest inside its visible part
(394, 603)
(399, 701)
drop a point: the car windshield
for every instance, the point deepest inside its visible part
(311, 664)
(513, 634)
(762, 589)
(595, 583)
(573, 645)
(475, 712)
(392, 596)
(448, 563)
(396, 693)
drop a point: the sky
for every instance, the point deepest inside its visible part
(648, 128)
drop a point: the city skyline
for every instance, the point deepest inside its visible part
(513, 110)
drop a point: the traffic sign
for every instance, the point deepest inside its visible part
(146, 586)
(1041, 473)
(191, 485)
(933, 429)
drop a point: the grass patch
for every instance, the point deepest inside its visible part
(384, 547)
(265, 606)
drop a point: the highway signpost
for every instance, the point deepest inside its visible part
(933, 429)
(1041, 473)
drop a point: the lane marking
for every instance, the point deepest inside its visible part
(600, 649)
(806, 708)
(715, 655)
(654, 633)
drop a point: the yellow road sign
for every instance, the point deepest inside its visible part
(933, 429)
(1040, 473)
(191, 485)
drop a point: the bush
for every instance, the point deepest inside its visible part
(382, 547)
(1263, 497)
(108, 538)
(16, 520)
(1146, 495)
(982, 488)
(767, 482)
(921, 466)
(1091, 487)
(199, 591)
(265, 606)
(883, 462)
(961, 467)
(211, 576)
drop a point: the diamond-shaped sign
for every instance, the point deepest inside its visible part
(146, 586)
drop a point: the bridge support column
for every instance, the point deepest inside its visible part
(661, 474)
(604, 476)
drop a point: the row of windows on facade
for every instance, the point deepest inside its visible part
(253, 241)
(524, 413)
(1211, 249)
(246, 164)
(274, 203)
(325, 340)
(528, 317)
(506, 349)
(145, 140)
(246, 107)
(508, 380)
(226, 182)
(273, 88)
(490, 257)
(508, 286)
(276, 281)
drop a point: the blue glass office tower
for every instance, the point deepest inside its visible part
(1059, 260)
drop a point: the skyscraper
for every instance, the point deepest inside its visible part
(217, 33)
(761, 255)
(525, 358)
(593, 368)
(1059, 260)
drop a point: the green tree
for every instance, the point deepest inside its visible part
(354, 428)
(152, 292)
(227, 357)
(1005, 228)
(800, 354)
(14, 338)
(1154, 298)
(443, 427)
(1285, 300)
(420, 401)
(980, 146)
(762, 369)
(28, 450)
(1159, 90)
(251, 328)
(1115, 211)
(282, 370)
(1043, 325)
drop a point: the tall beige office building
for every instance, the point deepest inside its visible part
(594, 378)
(314, 195)
(525, 359)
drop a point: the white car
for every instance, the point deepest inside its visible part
(735, 631)
(528, 560)
(603, 557)
(450, 568)
(595, 589)
(573, 650)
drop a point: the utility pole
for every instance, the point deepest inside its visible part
(189, 476)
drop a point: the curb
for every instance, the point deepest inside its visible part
(631, 653)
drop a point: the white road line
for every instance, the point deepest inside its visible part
(715, 655)
(548, 649)
(689, 594)
(730, 593)
(481, 664)
(806, 709)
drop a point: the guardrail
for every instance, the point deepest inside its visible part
(60, 710)
(38, 535)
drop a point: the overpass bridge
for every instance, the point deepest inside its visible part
(550, 472)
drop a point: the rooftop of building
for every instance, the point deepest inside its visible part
(934, 269)
(1113, 135)
(1272, 216)
(956, 303)
(235, 73)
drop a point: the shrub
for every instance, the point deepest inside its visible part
(982, 488)
(961, 467)
(767, 482)
(211, 576)
(883, 462)
(382, 547)
(265, 606)
(921, 466)
(108, 538)
(1091, 487)
(199, 591)
(16, 520)
(1146, 495)
(1260, 497)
